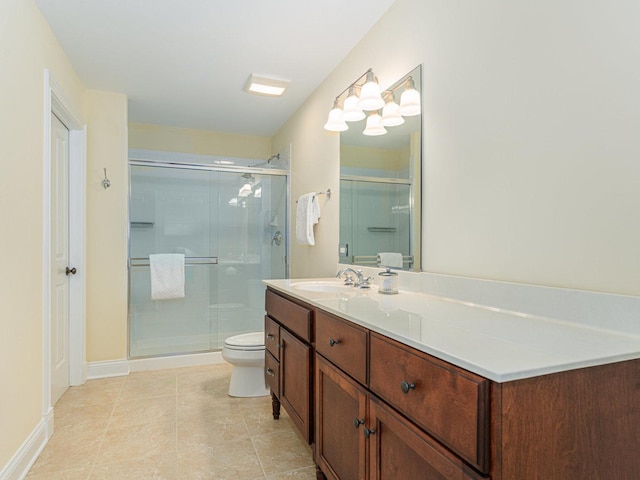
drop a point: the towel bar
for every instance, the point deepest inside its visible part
(188, 261)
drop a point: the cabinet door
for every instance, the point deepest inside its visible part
(295, 381)
(341, 414)
(399, 450)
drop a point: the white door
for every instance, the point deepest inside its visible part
(60, 259)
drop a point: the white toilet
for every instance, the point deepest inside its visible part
(246, 353)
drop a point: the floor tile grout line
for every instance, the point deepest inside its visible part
(255, 450)
(106, 428)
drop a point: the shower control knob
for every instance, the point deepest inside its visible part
(70, 271)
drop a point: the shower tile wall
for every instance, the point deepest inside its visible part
(200, 214)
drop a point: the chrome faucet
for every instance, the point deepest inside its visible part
(362, 282)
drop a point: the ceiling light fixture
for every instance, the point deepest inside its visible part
(263, 85)
(371, 100)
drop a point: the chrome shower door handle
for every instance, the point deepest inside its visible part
(277, 238)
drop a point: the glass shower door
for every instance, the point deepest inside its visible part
(251, 214)
(225, 235)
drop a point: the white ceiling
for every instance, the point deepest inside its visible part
(185, 62)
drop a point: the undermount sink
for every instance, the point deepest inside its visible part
(322, 286)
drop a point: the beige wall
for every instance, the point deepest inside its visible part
(375, 158)
(27, 47)
(107, 297)
(204, 142)
(531, 169)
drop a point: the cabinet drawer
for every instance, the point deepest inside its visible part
(293, 316)
(272, 373)
(448, 402)
(343, 343)
(272, 337)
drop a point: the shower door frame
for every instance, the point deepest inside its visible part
(137, 162)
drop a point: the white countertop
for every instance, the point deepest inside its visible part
(497, 344)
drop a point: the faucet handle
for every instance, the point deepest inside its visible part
(366, 282)
(348, 279)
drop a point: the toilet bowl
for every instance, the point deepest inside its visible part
(246, 353)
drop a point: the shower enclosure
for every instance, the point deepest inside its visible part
(375, 216)
(230, 222)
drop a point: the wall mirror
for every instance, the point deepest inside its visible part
(380, 189)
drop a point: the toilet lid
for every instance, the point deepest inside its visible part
(253, 339)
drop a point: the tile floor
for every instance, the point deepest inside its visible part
(175, 424)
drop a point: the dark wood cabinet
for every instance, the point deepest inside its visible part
(379, 409)
(295, 379)
(358, 436)
(398, 449)
(341, 413)
(288, 335)
(448, 402)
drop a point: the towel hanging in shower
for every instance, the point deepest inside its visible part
(167, 276)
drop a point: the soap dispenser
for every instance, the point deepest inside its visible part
(388, 282)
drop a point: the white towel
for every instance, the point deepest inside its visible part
(307, 215)
(167, 276)
(390, 259)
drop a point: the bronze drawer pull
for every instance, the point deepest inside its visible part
(368, 432)
(270, 372)
(271, 336)
(357, 422)
(405, 387)
(333, 342)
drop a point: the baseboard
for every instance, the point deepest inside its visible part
(109, 368)
(119, 368)
(27, 454)
(175, 361)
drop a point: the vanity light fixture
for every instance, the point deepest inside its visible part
(263, 85)
(364, 94)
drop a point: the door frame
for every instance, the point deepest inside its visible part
(55, 102)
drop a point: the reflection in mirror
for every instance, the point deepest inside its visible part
(380, 191)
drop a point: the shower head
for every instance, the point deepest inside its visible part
(268, 161)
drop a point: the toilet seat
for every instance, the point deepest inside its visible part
(253, 341)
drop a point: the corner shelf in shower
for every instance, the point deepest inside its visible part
(142, 224)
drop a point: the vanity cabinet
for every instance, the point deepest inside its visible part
(361, 436)
(288, 359)
(383, 410)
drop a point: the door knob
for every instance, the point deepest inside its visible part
(70, 271)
